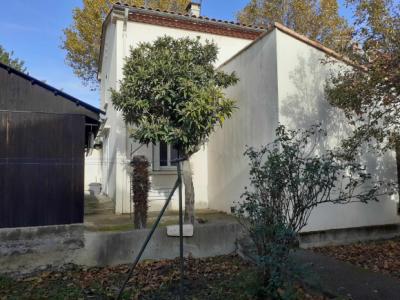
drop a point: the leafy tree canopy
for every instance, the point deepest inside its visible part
(7, 58)
(172, 92)
(317, 19)
(370, 94)
(82, 37)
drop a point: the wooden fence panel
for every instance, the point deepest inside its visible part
(41, 169)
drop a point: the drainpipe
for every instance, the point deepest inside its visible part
(124, 54)
(125, 168)
(125, 29)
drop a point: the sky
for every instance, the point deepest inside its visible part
(33, 29)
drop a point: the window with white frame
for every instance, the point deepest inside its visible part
(164, 155)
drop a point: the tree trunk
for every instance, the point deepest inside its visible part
(187, 175)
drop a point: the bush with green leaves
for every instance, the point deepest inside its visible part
(288, 179)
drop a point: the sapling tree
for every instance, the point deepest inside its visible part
(288, 179)
(172, 93)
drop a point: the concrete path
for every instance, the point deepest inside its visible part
(348, 281)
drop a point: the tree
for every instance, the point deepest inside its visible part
(82, 37)
(317, 19)
(288, 179)
(369, 93)
(7, 58)
(172, 93)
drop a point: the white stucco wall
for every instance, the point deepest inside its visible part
(301, 80)
(111, 134)
(139, 32)
(93, 171)
(118, 180)
(282, 81)
(252, 124)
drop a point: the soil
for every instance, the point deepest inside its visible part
(224, 277)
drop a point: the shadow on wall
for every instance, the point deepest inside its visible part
(308, 106)
(308, 103)
(302, 104)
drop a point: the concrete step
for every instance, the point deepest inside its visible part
(95, 205)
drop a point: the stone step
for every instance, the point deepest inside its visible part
(94, 206)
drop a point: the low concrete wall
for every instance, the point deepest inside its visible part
(23, 250)
(347, 236)
(119, 248)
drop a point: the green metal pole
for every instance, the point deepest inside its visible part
(148, 238)
(181, 287)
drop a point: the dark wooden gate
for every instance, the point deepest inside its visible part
(41, 169)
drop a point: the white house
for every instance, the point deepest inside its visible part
(281, 81)
(124, 28)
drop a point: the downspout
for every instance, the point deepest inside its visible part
(124, 46)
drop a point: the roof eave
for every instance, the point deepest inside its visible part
(186, 17)
(117, 11)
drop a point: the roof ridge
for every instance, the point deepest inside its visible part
(57, 92)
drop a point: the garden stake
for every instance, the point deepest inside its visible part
(178, 183)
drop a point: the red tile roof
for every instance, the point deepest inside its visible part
(187, 15)
(208, 25)
(190, 22)
(180, 21)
